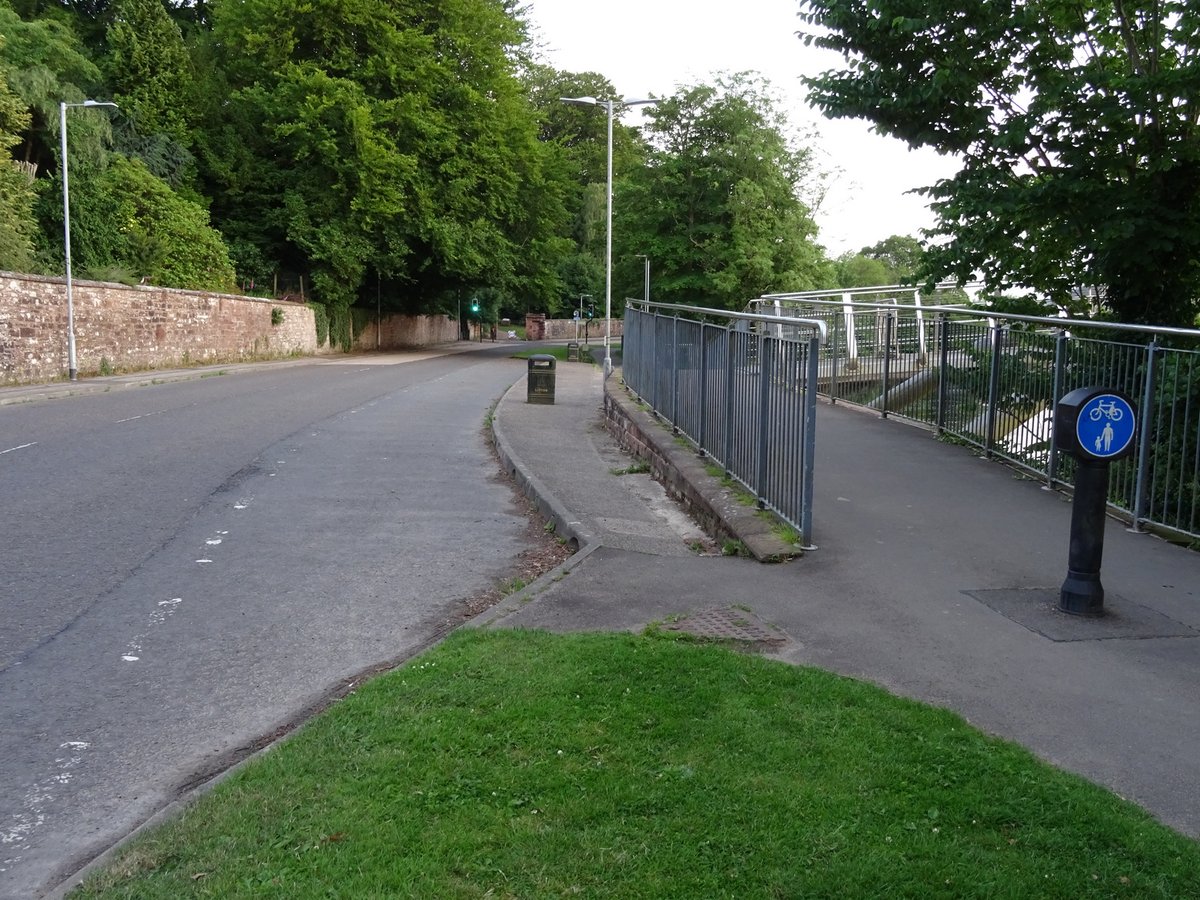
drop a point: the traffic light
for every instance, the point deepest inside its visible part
(475, 306)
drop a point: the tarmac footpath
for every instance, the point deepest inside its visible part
(936, 576)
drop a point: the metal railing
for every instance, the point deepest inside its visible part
(740, 391)
(993, 380)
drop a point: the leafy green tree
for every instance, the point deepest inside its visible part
(717, 207)
(126, 219)
(47, 64)
(860, 270)
(148, 69)
(17, 223)
(380, 146)
(901, 254)
(1076, 124)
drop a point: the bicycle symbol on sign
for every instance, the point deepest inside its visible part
(1108, 409)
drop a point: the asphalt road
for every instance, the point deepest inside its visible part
(187, 567)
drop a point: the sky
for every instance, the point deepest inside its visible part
(648, 47)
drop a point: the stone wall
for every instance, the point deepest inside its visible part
(396, 332)
(122, 328)
(539, 328)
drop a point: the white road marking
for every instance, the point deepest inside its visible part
(22, 825)
(15, 449)
(142, 416)
(158, 616)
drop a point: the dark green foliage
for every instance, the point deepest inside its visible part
(321, 317)
(1076, 126)
(148, 69)
(717, 208)
(17, 224)
(125, 217)
(374, 142)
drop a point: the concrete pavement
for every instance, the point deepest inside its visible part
(936, 577)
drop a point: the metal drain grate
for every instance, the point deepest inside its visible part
(729, 624)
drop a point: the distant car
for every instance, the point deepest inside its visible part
(512, 335)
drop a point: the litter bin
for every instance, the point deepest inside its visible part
(541, 379)
(573, 351)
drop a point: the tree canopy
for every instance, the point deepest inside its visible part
(717, 207)
(1076, 123)
(409, 154)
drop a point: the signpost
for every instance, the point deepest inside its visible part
(1097, 426)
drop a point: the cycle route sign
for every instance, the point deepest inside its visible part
(1105, 426)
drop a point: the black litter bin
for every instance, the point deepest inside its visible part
(573, 351)
(541, 378)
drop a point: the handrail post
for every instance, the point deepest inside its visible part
(702, 426)
(834, 361)
(989, 439)
(1143, 469)
(1056, 391)
(728, 452)
(943, 368)
(675, 375)
(889, 324)
(652, 376)
(810, 444)
(765, 354)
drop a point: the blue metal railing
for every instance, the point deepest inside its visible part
(993, 380)
(742, 391)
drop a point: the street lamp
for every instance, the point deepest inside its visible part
(646, 292)
(72, 368)
(608, 105)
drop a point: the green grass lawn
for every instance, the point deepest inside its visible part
(559, 353)
(522, 764)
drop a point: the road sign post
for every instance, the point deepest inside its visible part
(1097, 426)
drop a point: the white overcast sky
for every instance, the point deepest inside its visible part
(648, 47)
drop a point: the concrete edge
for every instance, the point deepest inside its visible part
(520, 599)
(565, 525)
(686, 478)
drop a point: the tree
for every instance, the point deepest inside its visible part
(126, 219)
(900, 254)
(148, 68)
(380, 146)
(47, 64)
(1076, 123)
(717, 208)
(578, 136)
(17, 223)
(860, 270)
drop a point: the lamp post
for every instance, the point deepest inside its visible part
(607, 105)
(72, 368)
(646, 292)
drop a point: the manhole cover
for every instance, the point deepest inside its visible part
(729, 623)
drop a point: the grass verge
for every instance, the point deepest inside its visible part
(523, 764)
(559, 353)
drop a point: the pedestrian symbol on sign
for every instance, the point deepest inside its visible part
(1106, 426)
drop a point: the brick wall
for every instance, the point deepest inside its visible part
(121, 328)
(125, 328)
(539, 328)
(395, 332)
